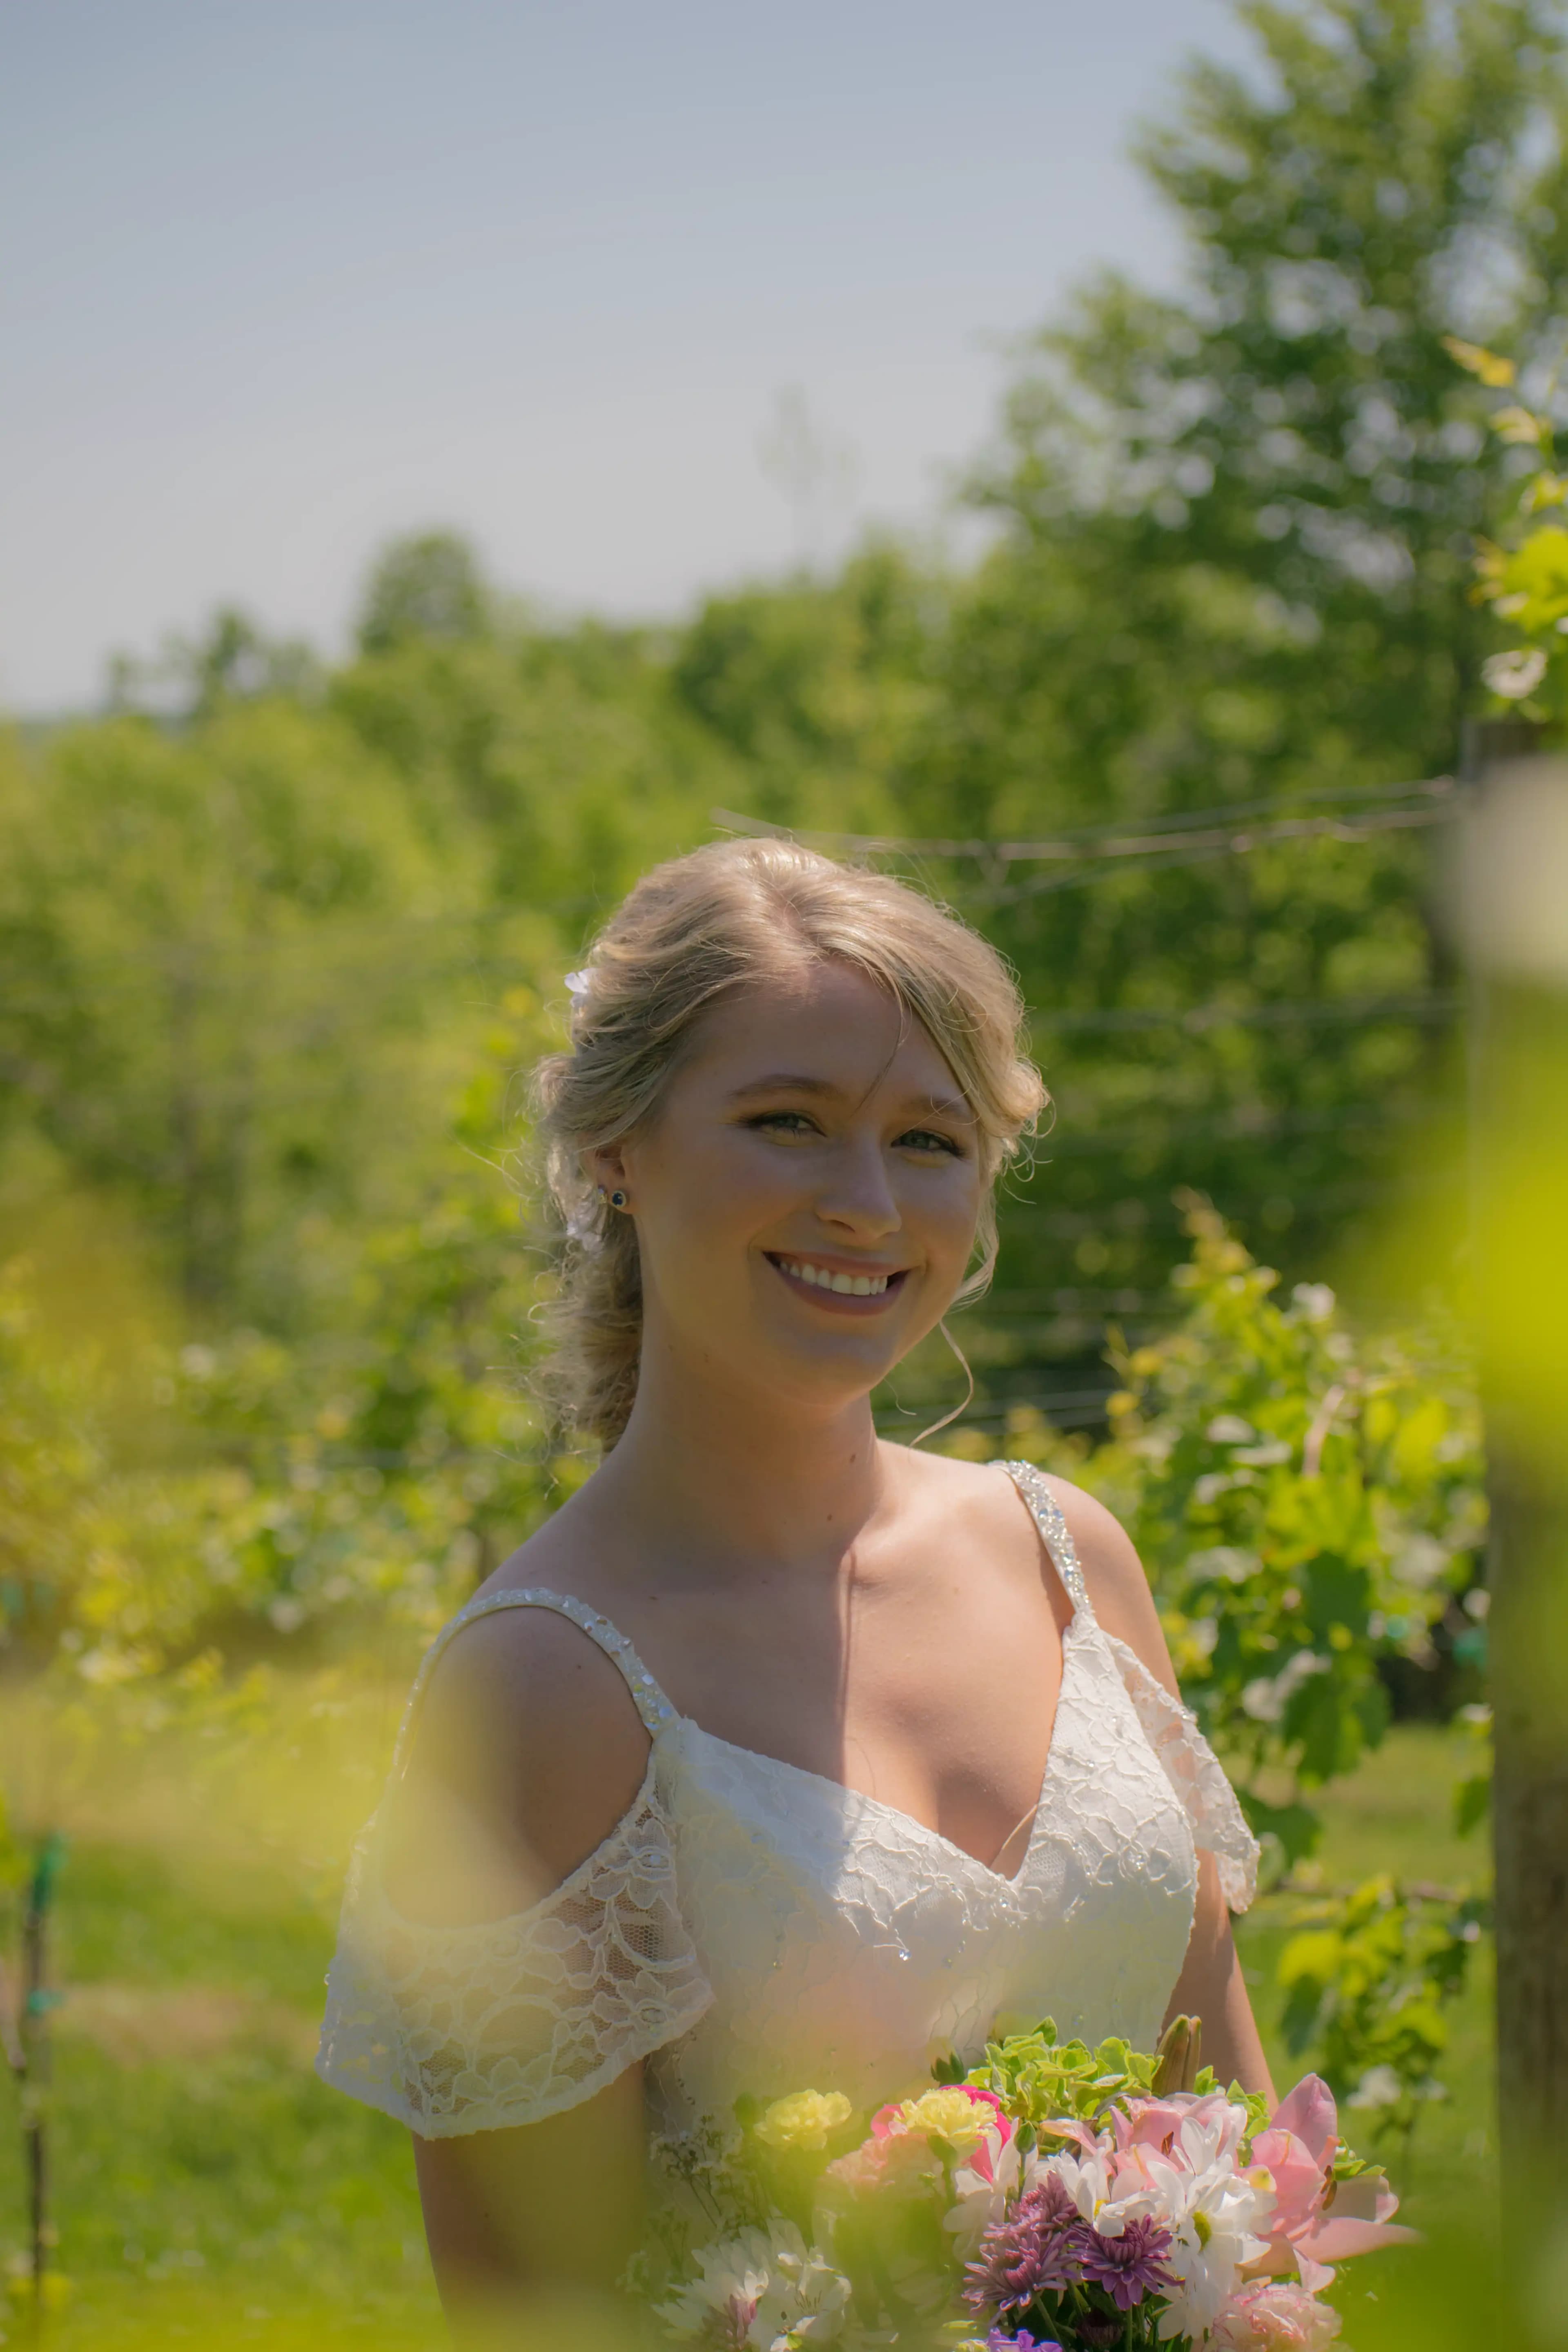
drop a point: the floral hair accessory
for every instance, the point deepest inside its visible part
(584, 1224)
(578, 984)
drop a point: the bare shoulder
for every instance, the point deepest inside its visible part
(972, 1499)
(526, 1752)
(1114, 1577)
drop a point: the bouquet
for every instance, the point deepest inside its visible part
(1055, 2198)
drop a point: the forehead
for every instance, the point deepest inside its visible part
(824, 1020)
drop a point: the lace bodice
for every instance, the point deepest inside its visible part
(753, 1927)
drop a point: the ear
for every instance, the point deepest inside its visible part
(606, 1168)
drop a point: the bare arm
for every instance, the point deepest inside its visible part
(527, 1753)
(1211, 1986)
(518, 2219)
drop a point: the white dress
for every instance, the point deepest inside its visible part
(751, 1928)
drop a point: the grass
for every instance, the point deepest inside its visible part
(208, 2190)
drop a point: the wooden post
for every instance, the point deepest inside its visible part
(32, 2036)
(1513, 887)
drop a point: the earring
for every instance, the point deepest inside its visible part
(617, 1198)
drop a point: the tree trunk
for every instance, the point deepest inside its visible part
(1514, 887)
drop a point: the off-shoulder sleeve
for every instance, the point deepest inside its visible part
(455, 2030)
(1194, 1772)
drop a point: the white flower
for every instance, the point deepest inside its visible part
(1221, 2224)
(578, 984)
(765, 2291)
(1108, 2189)
(1515, 675)
(980, 2202)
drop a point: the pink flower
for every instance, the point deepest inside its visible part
(1297, 2150)
(1151, 2122)
(1264, 2317)
(1309, 2114)
(1299, 2184)
(953, 2111)
(973, 2124)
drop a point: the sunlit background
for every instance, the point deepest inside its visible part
(1097, 463)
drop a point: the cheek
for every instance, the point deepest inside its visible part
(950, 1210)
(723, 1190)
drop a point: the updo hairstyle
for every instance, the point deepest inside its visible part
(693, 932)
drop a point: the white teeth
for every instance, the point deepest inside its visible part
(854, 1285)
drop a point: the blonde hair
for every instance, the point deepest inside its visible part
(692, 932)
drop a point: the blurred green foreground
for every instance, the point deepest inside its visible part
(210, 2191)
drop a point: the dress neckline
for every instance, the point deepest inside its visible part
(862, 1800)
(660, 1713)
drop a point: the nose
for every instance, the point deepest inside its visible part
(858, 1199)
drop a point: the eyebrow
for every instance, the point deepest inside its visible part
(797, 1082)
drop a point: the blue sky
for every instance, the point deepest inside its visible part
(278, 280)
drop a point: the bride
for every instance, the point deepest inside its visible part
(781, 1757)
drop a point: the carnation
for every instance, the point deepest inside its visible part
(802, 2120)
(1275, 2315)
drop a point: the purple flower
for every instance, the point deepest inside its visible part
(1127, 2267)
(1000, 2341)
(1029, 2253)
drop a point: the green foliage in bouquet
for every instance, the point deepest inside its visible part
(1038, 2078)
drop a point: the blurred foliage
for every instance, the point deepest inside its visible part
(326, 1488)
(1369, 1978)
(1526, 586)
(1310, 1507)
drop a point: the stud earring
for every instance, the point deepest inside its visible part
(616, 1198)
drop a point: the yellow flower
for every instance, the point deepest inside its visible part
(803, 2119)
(948, 2114)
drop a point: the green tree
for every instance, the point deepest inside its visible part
(1236, 529)
(429, 585)
(224, 939)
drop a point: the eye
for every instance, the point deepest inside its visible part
(930, 1139)
(783, 1122)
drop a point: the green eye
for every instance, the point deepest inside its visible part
(926, 1138)
(786, 1122)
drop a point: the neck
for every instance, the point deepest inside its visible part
(720, 1478)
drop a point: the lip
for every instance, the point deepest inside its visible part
(840, 1302)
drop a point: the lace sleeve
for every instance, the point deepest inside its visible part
(1196, 1773)
(455, 2030)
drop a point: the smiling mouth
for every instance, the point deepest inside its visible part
(834, 1287)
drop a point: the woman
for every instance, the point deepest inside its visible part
(781, 1757)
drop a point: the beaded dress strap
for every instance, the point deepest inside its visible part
(646, 1697)
(1048, 1517)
